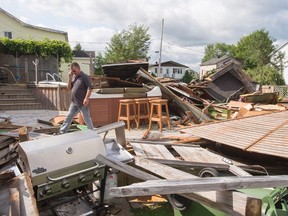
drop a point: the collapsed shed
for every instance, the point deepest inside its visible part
(225, 84)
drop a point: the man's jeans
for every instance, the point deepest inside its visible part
(73, 110)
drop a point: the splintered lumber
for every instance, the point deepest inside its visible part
(23, 134)
(152, 151)
(230, 202)
(182, 139)
(152, 187)
(17, 197)
(6, 175)
(124, 168)
(183, 106)
(190, 164)
(203, 155)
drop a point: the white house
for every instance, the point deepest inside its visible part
(85, 61)
(169, 69)
(215, 64)
(284, 49)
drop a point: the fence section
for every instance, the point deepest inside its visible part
(54, 97)
(282, 90)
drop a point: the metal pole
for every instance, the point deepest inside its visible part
(36, 62)
(159, 69)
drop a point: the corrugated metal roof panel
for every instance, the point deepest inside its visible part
(266, 134)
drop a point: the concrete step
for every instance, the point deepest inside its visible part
(23, 106)
(16, 96)
(17, 100)
(12, 86)
(15, 91)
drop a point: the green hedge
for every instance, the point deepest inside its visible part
(45, 48)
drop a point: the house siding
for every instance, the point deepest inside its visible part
(27, 32)
(84, 64)
(285, 72)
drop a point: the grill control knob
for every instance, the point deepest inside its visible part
(65, 184)
(97, 174)
(81, 178)
(47, 190)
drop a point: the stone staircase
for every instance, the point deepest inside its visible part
(17, 97)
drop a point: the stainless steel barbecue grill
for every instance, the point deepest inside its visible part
(61, 163)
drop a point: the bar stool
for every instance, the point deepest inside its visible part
(142, 105)
(129, 114)
(157, 115)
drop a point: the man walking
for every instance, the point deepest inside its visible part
(81, 88)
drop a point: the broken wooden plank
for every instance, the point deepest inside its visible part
(230, 202)
(152, 187)
(191, 164)
(49, 123)
(6, 175)
(203, 155)
(17, 197)
(124, 168)
(152, 151)
(183, 106)
(231, 207)
(168, 143)
(23, 134)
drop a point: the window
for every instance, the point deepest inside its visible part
(8, 35)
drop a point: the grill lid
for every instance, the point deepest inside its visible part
(50, 154)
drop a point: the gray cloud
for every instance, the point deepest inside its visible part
(189, 25)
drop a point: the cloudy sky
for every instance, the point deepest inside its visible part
(189, 25)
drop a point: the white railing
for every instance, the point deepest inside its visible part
(54, 77)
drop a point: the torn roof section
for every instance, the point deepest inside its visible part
(227, 82)
(124, 70)
(264, 134)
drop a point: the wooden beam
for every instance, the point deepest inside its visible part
(124, 168)
(230, 202)
(191, 164)
(152, 187)
(183, 106)
(169, 143)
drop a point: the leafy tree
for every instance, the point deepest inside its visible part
(266, 75)
(99, 61)
(78, 47)
(254, 50)
(128, 44)
(218, 50)
(189, 76)
(260, 60)
(258, 55)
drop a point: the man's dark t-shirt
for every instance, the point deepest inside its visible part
(80, 85)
